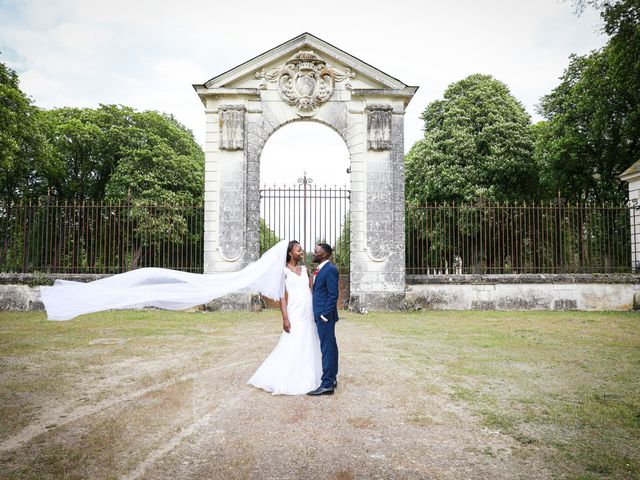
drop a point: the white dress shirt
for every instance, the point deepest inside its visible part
(314, 281)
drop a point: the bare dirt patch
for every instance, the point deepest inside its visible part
(176, 404)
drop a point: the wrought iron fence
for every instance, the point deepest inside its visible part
(552, 237)
(309, 214)
(100, 238)
(480, 238)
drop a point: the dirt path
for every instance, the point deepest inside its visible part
(177, 416)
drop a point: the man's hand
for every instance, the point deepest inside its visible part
(286, 326)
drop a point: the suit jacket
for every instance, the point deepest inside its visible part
(325, 292)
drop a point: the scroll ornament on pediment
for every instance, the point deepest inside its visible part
(305, 81)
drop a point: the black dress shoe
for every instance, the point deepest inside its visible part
(321, 391)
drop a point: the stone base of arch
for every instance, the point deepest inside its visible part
(386, 301)
(246, 302)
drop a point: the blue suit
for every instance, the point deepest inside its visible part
(325, 303)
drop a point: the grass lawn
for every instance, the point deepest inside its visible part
(567, 382)
(563, 388)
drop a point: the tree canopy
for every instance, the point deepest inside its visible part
(161, 163)
(23, 156)
(592, 128)
(108, 153)
(477, 144)
(116, 153)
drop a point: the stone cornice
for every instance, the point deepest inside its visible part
(631, 173)
(384, 92)
(204, 92)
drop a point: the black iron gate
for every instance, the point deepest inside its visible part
(309, 214)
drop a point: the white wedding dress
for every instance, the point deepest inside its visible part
(294, 367)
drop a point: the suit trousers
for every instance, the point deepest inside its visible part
(329, 349)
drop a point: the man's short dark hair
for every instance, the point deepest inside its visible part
(326, 247)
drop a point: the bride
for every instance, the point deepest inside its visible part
(294, 367)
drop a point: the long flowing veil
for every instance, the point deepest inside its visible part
(164, 288)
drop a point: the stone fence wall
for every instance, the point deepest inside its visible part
(523, 292)
(444, 292)
(20, 291)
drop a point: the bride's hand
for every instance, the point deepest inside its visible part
(286, 326)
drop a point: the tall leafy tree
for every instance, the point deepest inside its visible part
(268, 237)
(342, 252)
(592, 129)
(116, 153)
(74, 138)
(477, 144)
(23, 153)
(160, 162)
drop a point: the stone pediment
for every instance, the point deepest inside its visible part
(305, 70)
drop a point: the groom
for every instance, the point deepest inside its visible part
(325, 312)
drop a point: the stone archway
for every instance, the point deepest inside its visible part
(303, 79)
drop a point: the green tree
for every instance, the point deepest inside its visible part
(268, 237)
(23, 153)
(116, 153)
(592, 129)
(77, 168)
(342, 252)
(477, 144)
(160, 163)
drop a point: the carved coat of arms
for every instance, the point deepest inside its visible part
(305, 81)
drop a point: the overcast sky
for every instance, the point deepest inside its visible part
(147, 54)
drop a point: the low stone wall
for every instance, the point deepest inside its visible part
(19, 297)
(443, 292)
(21, 292)
(523, 292)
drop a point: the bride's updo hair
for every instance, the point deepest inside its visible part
(292, 244)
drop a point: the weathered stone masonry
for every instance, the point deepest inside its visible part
(307, 79)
